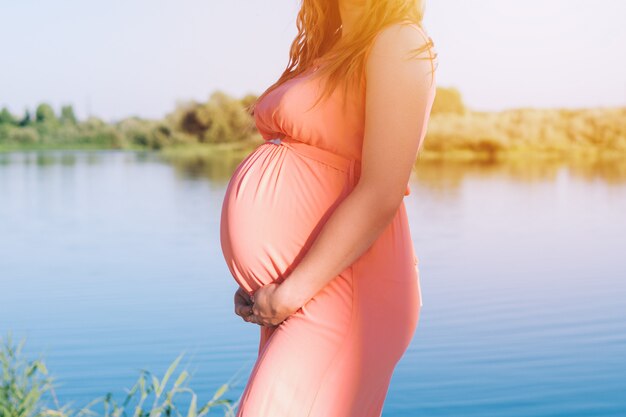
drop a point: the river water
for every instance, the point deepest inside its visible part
(110, 263)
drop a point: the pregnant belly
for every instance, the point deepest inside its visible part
(275, 205)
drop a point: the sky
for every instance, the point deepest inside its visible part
(117, 59)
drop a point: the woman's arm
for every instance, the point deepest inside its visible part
(399, 97)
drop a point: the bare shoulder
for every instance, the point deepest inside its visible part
(401, 54)
(398, 40)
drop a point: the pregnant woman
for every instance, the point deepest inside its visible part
(314, 227)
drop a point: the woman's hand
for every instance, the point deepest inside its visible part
(243, 304)
(270, 308)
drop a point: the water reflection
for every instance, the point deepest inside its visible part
(218, 165)
(436, 172)
(447, 174)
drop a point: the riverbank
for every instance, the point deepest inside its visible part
(224, 127)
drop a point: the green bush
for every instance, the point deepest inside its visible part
(23, 136)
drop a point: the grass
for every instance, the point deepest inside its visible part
(27, 390)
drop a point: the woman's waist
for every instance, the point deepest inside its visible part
(349, 165)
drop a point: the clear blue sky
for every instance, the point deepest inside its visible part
(138, 57)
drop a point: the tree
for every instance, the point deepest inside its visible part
(67, 115)
(25, 121)
(221, 119)
(6, 117)
(45, 113)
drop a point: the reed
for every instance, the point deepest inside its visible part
(27, 390)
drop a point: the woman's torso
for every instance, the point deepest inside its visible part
(279, 197)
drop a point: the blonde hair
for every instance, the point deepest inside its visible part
(319, 28)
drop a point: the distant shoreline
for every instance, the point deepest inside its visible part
(224, 124)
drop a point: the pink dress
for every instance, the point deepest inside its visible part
(335, 356)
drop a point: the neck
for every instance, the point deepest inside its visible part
(350, 12)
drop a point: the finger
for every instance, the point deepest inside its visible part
(239, 303)
(241, 298)
(244, 311)
(241, 306)
(244, 295)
